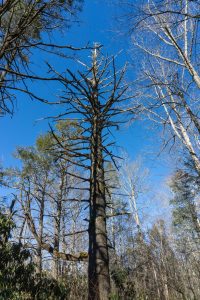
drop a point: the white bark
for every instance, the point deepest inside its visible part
(133, 182)
(168, 40)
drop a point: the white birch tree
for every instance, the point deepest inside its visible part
(166, 34)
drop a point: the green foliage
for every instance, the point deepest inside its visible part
(68, 128)
(6, 225)
(34, 162)
(124, 285)
(119, 276)
(185, 188)
(17, 271)
(16, 268)
(46, 287)
(114, 296)
(39, 163)
(43, 157)
(44, 142)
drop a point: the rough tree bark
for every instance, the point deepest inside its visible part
(99, 279)
(94, 98)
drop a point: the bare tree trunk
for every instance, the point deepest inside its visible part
(98, 269)
(57, 239)
(113, 229)
(95, 97)
(156, 279)
(40, 232)
(58, 218)
(99, 279)
(180, 130)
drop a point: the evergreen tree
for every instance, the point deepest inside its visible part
(16, 268)
(185, 215)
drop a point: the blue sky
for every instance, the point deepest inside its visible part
(97, 24)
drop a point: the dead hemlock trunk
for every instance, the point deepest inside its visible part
(94, 98)
(98, 279)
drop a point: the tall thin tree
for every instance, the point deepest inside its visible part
(94, 98)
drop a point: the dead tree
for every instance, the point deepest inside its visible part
(133, 183)
(94, 98)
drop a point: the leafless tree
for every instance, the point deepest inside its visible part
(94, 98)
(132, 181)
(166, 33)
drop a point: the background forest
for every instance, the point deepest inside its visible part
(100, 156)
